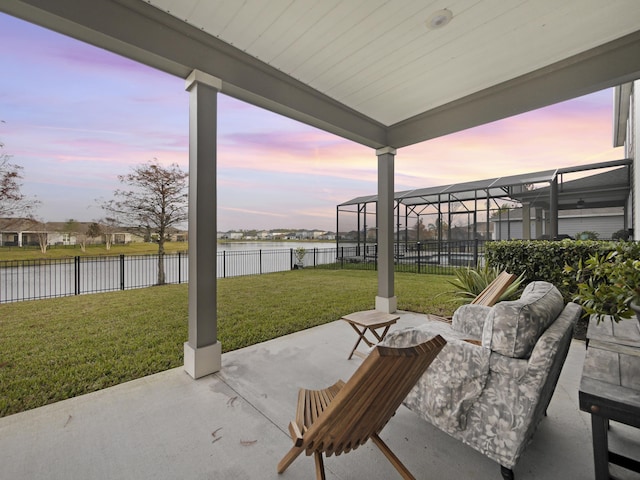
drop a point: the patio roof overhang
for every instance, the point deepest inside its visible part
(372, 72)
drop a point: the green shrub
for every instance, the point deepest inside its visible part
(609, 281)
(587, 235)
(621, 235)
(469, 282)
(543, 260)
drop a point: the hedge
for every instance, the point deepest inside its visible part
(544, 260)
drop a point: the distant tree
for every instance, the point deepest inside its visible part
(420, 230)
(155, 200)
(71, 228)
(42, 233)
(94, 230)
(437, 226)
(12, 200)
(109, 226)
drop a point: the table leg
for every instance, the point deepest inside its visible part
(384, 333)
(360, 338)
(600, 446)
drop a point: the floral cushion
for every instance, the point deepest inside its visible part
(469, 319)
(513, 328)
(454, 380)
(495, 407)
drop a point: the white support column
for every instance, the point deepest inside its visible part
(385, 300)
(203, 352)
(632, 150)
(526, 221)
(539, 223)
(553, 209)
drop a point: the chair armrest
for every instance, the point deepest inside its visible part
(469, 319)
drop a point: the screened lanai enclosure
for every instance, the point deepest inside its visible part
(450, 224)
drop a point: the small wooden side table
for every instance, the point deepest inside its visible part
(369, 320)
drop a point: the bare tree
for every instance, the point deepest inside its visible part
(109, 226)
(12, 200)
(42, 233)
(155, 201)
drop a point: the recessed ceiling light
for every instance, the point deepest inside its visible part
(439, 19)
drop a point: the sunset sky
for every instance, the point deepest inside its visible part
(75, 117)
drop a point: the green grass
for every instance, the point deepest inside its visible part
(55, 349)
(34, 253)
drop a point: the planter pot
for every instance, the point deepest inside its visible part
(636, 308)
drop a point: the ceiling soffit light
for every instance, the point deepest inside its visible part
(439, 19)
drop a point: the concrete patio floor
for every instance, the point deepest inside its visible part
(233, 425)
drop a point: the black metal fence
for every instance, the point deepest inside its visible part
(47, 278)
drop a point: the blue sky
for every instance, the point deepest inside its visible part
(75, 117)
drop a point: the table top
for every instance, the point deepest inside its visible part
(611, 372)
(625, 332)
(371, 318)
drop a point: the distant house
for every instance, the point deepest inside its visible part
(19, 232)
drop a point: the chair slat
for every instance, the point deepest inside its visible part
(344, 416)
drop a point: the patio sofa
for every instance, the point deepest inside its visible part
(492, 394)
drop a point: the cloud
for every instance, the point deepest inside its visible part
(253, 212)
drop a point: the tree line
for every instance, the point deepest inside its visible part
(152, 199)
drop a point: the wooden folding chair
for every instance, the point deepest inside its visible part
(492, 293)
(344, 416)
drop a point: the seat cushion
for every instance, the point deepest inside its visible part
(513, 328)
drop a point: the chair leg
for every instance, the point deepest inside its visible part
(319, 466)
(507, 473)
(289, 458)
(395, 461)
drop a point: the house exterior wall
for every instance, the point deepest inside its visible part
(631, 149)
(605, 224)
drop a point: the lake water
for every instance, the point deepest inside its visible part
(234, 246)
(74, 276)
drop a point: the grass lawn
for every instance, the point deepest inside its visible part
(34, 253)
(59, 348)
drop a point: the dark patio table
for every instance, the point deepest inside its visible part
(610, 387)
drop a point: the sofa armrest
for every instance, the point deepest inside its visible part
(469, 319)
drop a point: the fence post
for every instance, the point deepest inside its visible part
(314, 256)
(418, 247)
(224, 264)
(121, 271)
(260, 261)
(291, 259)
(76, 275)
(375, 258)
(179, 265)
(475, 252)
(341, 257)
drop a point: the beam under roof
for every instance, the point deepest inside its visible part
(609, 65)
(143, 33)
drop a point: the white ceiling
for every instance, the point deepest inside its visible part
(370, 70)
(379, 58)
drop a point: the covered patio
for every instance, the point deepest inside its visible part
(233, 425)
(385, 75)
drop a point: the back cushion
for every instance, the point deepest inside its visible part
(513, 328)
